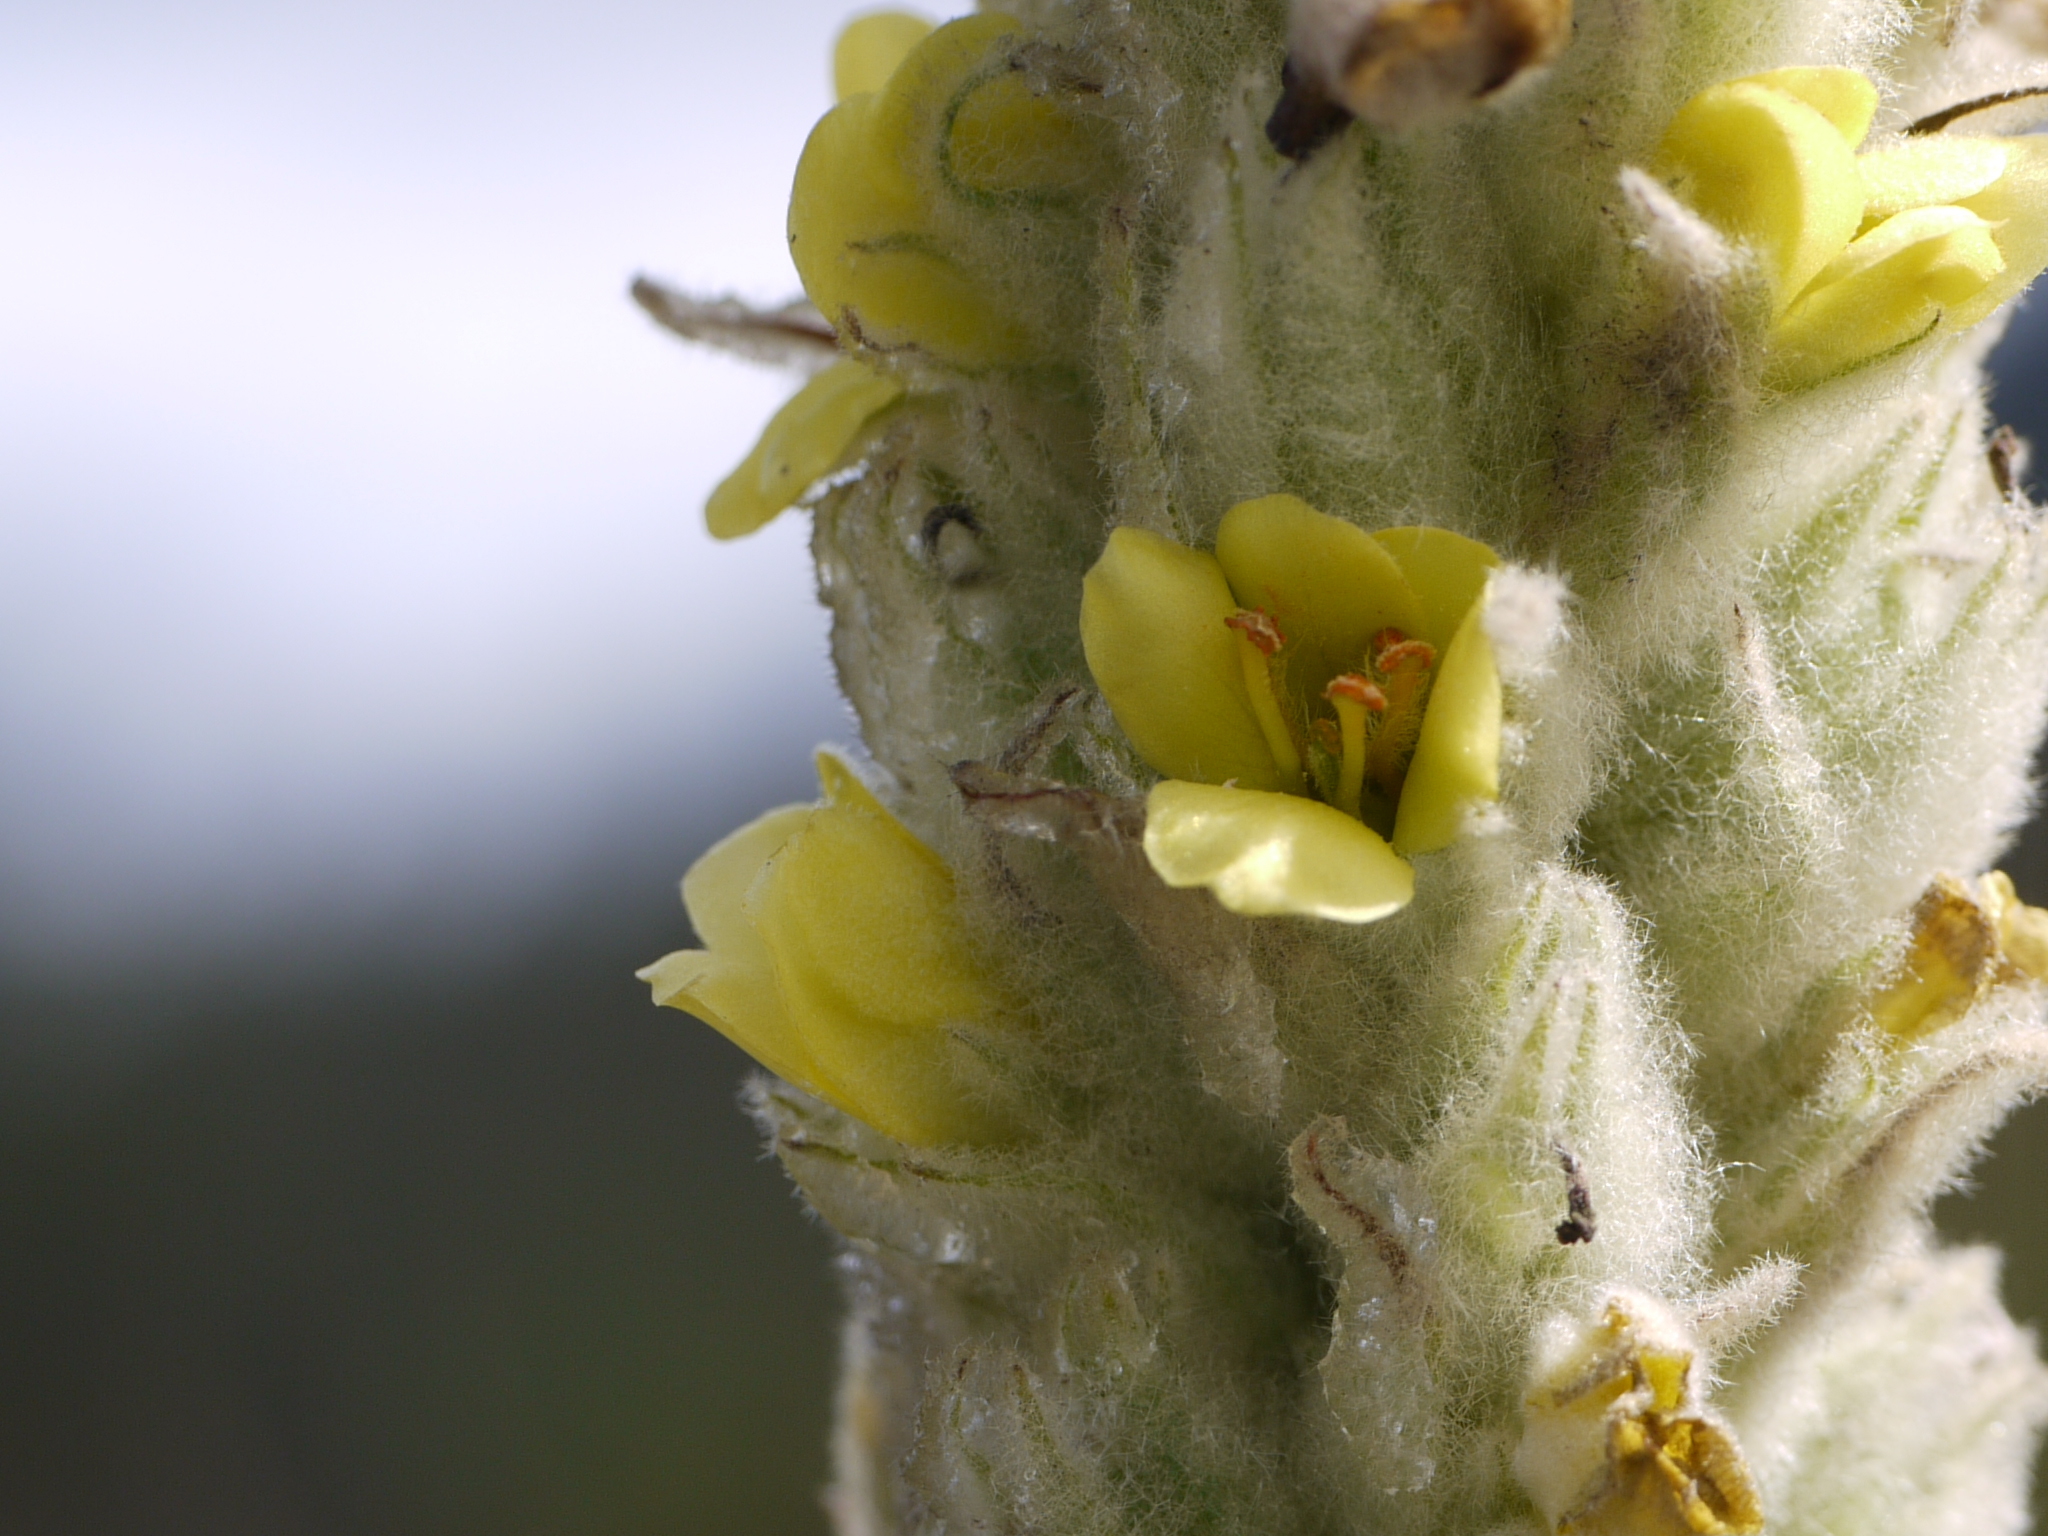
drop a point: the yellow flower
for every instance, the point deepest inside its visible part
(1865, 253)
(1615, 1440)
(1322, 701)
(1964, 943)
(924, 114)
(836, 957)
(951, 123)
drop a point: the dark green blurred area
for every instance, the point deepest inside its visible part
(399, 1236)
(461, 1244)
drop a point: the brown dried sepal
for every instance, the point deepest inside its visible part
(1408, 63)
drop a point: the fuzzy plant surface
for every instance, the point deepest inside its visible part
(1444, 650)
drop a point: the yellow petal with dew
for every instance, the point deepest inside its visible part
(1328, 584)
(1766, 168)
(731, 983)
(876, 970)
(1266, 855)
(1446, 572)
(2016, 208)
(1918, 173)
(1152, 627)
(1457, 755)
(870, 47)
(1006, 140)
(1845, 97)
(803, 441)
(1890, 287)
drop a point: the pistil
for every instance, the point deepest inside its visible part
(1258, 644)
(1354, 698)
(1403, 666)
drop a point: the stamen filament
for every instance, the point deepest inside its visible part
(1258, 642)
(1353, 697)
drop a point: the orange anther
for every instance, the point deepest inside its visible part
(1418, 654)
(1257, 626)
(1359, 690)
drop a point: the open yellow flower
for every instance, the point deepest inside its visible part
(1866, 253)
(836, 957)
(1323, 702)
(950, 124)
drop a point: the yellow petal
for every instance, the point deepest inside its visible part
(1152, 627)
(1845, 97)
(913, 111)
(742, 1003)
(1457, 756)
(846, 789)
(1330, 585)
(844, 194)
(1005, 140)
(1890, 287)
(912, 295)
(1917, 173)
(1447, 574)
(2016, 207)
(803, 441)
(1265, 854)
(731, 983)
(861, 226)
(2022, 930)
(870, 48)
(876, 969)
(718, 882)
(1766, 167)
(1952, 960)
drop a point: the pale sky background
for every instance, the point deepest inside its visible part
(349, 511)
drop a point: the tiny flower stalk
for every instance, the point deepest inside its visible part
(1290, 689)
(1369, 1035)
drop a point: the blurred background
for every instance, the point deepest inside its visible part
(366, 682)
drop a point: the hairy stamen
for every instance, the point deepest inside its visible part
(1258, 647)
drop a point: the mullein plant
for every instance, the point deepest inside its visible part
(1443, 650)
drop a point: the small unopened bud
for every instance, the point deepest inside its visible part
(1409, 63)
